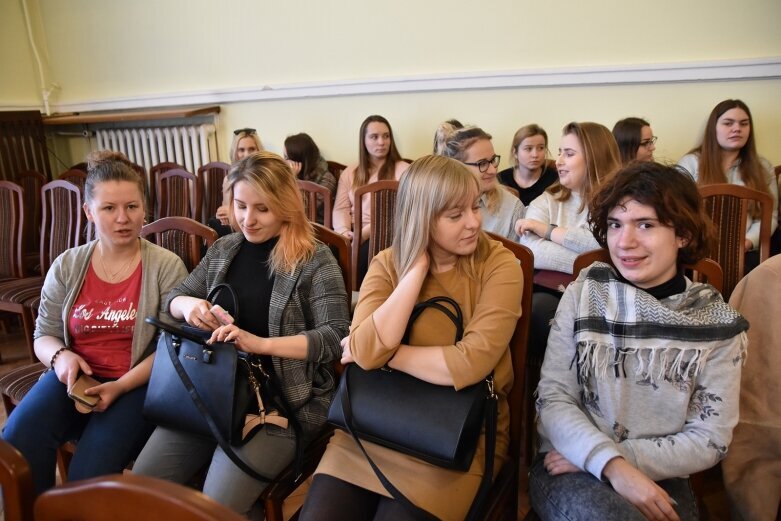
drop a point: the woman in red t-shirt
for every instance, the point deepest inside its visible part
(90, 322)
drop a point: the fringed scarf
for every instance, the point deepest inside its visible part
(669, 338)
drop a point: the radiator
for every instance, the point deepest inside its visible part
(190, 146)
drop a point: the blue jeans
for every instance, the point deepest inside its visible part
(46, 418)
(581, 496)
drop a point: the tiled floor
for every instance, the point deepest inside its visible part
(14, 354)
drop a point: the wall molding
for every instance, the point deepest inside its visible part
(671, 72)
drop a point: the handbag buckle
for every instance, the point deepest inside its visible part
(207, 356)
(491, 393)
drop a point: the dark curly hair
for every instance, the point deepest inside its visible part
(671, 192)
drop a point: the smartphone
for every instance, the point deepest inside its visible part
(76, 393)
(222, 316)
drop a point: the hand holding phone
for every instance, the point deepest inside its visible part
(84, 402)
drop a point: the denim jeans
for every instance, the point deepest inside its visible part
(581, 496)
(46, 418)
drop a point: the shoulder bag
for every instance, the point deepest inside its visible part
(434, 423)
(214, 390)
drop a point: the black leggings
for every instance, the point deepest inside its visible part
(330, 498)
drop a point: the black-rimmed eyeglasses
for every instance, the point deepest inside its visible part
(482, 165)
(248, 131)
(648, 142)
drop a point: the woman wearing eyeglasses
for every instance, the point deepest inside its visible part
(728, 154)
(245, 142)
(636, 140)
(530, 173)
(472, 146)
(378, 160)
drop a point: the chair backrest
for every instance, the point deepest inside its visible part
(129, 497)
(17, 483)
(518, 345)
(11, 230)
(31, 182)
(154, 172)
(61, 221)
(181, 235)
(728, 206)
(178, 194)
(336, 169)
(382, 201)
(77, 177)
(313, 194)
(340, 247)
(210, 177)
(704, 270)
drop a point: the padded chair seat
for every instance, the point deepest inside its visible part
(15, 384)
(26, 291)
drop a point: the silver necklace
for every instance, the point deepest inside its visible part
(121, 270)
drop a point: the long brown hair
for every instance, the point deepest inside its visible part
(601, 155)
(388, 168)
(711, 170)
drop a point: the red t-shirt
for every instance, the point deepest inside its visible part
(102, 321)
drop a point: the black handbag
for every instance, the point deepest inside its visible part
(434, 423)
(214, 390)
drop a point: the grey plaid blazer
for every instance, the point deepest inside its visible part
(311, 301)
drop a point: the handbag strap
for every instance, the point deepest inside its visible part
(227, 287)
(491, 414)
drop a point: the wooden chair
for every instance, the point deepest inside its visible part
(60, 230)
(315, 197)
(129, 497)
(728, 206)
(31, 183)
(80, 166)
(154, 172)
(210, 177)
(502, 502)
(77, 177)
(178, 194)
(183, 236)
(340, 247)
(382, 200)
(336, 169)
(17, 483)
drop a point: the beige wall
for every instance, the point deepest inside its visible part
(115, 50)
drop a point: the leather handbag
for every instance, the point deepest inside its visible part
(434, 423)
(214, 390)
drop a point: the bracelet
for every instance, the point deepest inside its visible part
(56, 354)
(548, 233)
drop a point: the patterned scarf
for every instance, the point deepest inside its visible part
(670, 338)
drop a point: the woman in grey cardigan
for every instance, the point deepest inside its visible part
(293, 312)
(91, 322)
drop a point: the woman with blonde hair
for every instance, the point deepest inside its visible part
(472, 146)
(438, 249)
(245, 142)
(292, 312)
(728, 154)
(529, 173)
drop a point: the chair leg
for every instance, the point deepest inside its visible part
(64, 457)
(273, 510)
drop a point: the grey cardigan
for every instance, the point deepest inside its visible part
(161, 271)
(311, 301)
